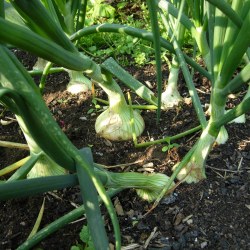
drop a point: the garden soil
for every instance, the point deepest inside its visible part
(213, 214)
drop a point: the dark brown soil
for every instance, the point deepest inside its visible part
(213, 214)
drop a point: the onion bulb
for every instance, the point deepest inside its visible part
(171, 96)
(115, 122)
(45, 166)
(78, 82)
(222, 136)
(116, 126)
(156, 183)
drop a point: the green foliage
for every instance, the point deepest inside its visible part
(121, 47)
(96, 108)
(86, 238)
(87, 243)
(169, 146)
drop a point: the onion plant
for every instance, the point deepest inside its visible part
(228, 41)
(171, 96)
(46, 141)
(69, 16)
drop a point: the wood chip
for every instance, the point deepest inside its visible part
(118, 207)
(187, 218)
(232, 96)
(150, 238)
(248, 206)
(149, 84)
(178, 219)
(111, 246)
(150, 170)
(130, 213)
(108, 143)
(131, 246)
(188, 100)
(4, 122)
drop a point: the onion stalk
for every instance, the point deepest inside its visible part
(147, 186)
(197, 26)
(40, 64)
(194, 170)
(78, 82)
(222, 136)
(44, 166)
(171, 96)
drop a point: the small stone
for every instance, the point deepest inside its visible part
(99, 153)
(148, 165)
(166, 225)
(194, 233)
(169, 199)
(190, 221)
(83, 118)
(203, 244)
(142, 226)
(164, 240)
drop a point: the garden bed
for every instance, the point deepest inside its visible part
(213, 214)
